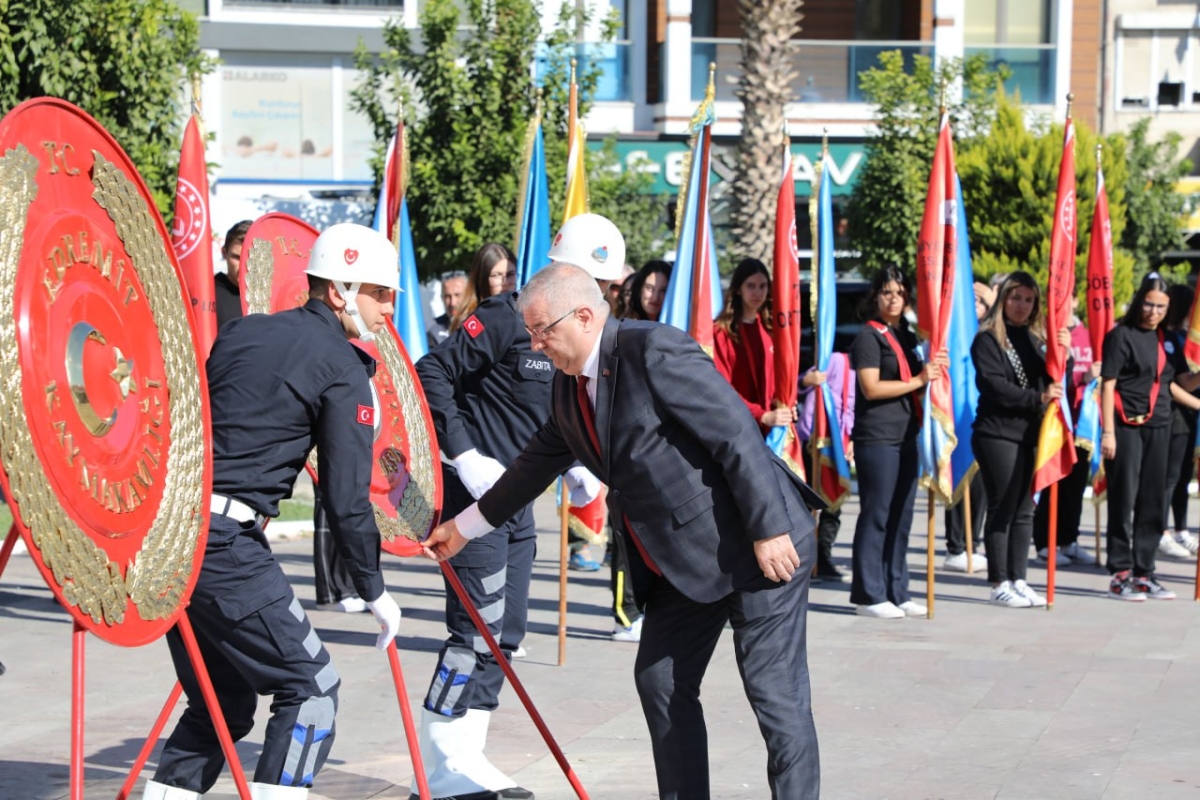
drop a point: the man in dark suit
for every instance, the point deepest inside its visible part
(719, 529)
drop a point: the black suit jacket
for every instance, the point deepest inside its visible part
(684, 461)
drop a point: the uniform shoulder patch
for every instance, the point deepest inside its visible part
(473, 326)
(366, 415)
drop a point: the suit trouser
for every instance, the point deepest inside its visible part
(331, 576)
(678, 639)
(1070, 505)
(255, 639)
(495, 570)
(1180, 465)
(1135, 495)
(956, 519)
(887, 487)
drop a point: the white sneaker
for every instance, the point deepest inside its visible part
(1169, 548)
(1187, 541)
(884, 610)
(631, 634)
(1005, 595)
(955, 563)
(913, 609)
(1077, 554)
(350, 605)
(1061, 560)
(1025, 590)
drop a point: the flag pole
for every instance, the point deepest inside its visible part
(931, 527)
(564, 509)
(967, 527)
(1052, 533)
(929, 576)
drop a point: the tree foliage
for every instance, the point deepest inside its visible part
(125, 62)
(1155, 208)
(467, 98)
(1009, 173)
(889, 198)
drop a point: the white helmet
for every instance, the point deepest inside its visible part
(592, 243)
(350, 255)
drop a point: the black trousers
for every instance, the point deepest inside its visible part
(829, 523)
(678, 639)
(887, 487)
(620, 580)
(1181, 462)
(1070, 506)
(255, 640)
(1136, 500)
(331, 576)
(956, 519)
(495, 570)
(1007, 470)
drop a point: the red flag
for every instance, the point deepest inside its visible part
(937, 248)
(1100, 271)
(1056, 445)
(785, 307)
(393, 183)
(191, 234)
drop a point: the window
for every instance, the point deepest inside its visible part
(1157, 69)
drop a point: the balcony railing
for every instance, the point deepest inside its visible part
(612, 59)
(1032, 69)
(827, 71)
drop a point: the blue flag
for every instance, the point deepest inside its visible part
(678, 307)
(963, 327)
(533, 222)
(408, 317)
(831, 471)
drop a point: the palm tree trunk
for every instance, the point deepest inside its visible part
(765, 90)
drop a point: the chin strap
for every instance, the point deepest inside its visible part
(349, 293)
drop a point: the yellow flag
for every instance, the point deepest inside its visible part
(577, 194)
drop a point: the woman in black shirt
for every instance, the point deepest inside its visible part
(1138, 385)
(890, 380)
(1014, 390)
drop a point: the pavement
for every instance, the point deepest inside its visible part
(1092, 699)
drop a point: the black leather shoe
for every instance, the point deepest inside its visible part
(512, 793)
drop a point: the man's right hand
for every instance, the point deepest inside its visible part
(477, 472)
(444, 542)
(387, 614)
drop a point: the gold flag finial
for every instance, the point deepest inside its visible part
(572, 70)
(824, 140)
(1070, 102)
(942, 99)
(1099, 149)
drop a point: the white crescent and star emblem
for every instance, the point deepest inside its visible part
(191, 218)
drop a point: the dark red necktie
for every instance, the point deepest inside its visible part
(589, 422)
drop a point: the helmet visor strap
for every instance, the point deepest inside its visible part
(349, 293)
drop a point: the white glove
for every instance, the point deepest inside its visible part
(387, 614)
(477, 472)
(582, 486)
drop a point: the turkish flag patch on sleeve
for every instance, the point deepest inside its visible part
(366, 415)
(473, 326)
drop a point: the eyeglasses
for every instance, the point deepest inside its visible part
(540, 333)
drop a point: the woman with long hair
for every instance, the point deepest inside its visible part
(890, 379)
(493, 271)
(1014, 390)
(1135, 400)
(648, 290)
(742, 348)
(1178, 543)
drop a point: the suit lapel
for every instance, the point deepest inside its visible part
(605, 385)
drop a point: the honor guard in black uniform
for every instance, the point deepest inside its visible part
(279, 385)
(488, 393)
